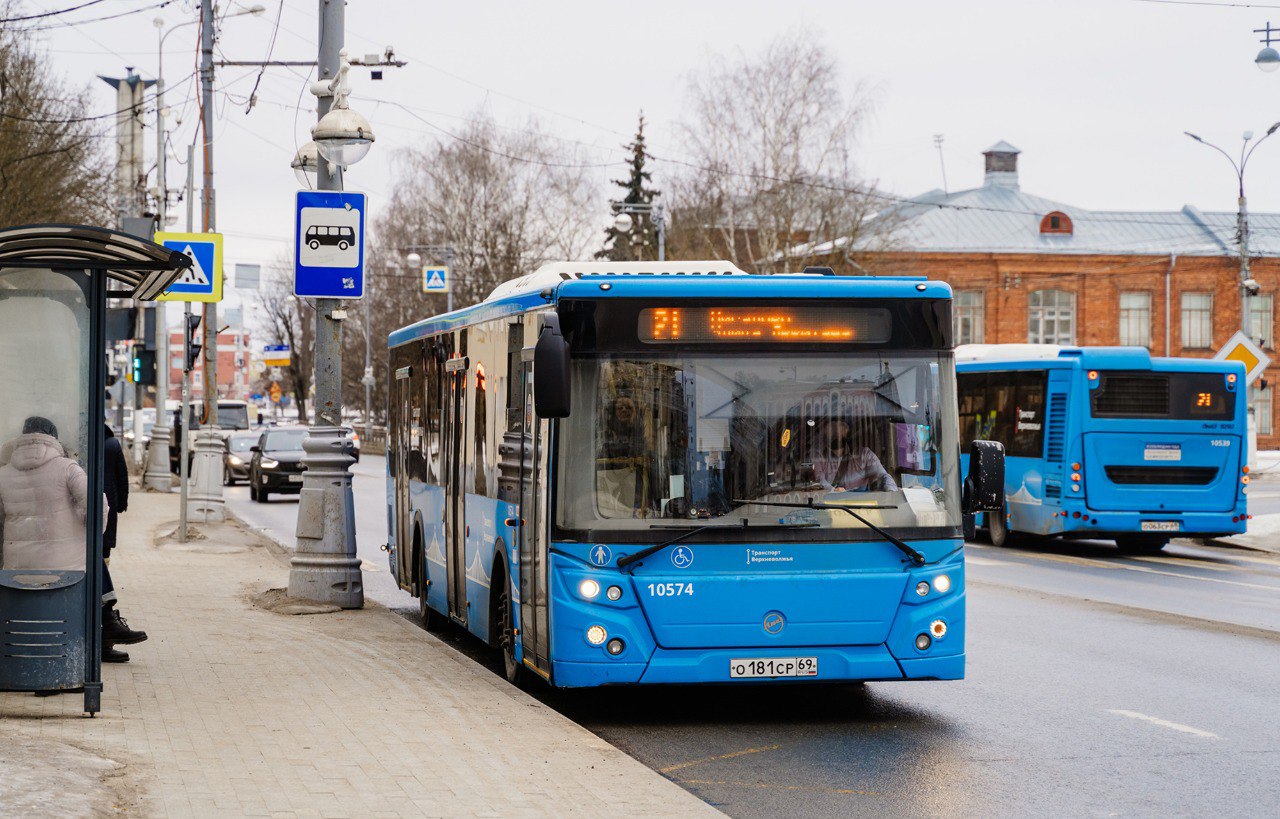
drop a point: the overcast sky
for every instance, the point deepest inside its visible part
(1096, 93)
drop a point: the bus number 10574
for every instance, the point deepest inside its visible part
(670, 589)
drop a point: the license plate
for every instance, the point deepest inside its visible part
(1159, 526)
(295, 479)
(769, 667)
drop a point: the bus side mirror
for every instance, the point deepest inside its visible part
(551, 391)
(984, 487)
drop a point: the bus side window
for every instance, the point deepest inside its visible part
(432, 420)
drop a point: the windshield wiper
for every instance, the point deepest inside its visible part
(627, 560)
(916, 557)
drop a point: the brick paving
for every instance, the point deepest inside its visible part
(229, 709)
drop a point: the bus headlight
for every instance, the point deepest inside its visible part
(596, 635)
(589, 589)
(922, 588)
(942, 583)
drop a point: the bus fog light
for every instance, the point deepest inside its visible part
(615, 647)
(923, 641)
(938, 628)
(596, 635)
(589, 588)
(922, 588)
(613, 593)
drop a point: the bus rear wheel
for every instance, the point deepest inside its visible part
(1138, 545)
(998, 527)
(511, 667)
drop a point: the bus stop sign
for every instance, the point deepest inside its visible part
(329, 245)
(1243, 349)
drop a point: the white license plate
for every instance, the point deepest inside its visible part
(1159, 526)
(295, 479)
(769, 667)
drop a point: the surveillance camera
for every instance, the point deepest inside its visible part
(1251, 286)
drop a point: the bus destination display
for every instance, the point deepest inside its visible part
(803, 324)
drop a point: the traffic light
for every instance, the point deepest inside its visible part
(192, 344)
(143, 370)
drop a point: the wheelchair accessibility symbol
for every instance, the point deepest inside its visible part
(682, 557)
(601, 554)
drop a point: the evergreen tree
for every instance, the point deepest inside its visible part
(640, 242)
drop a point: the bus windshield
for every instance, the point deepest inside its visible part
(233, 416)
(656, 441)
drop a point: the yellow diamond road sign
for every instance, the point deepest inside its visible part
(1241, 348)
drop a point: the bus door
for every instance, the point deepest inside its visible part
(402, 437)
(535, 637)
(454, 470)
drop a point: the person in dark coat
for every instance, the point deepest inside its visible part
(115, 631)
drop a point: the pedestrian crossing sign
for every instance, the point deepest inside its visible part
(201, 282)
(435, 280)
(1243, 349)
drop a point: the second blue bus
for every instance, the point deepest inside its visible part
(1108, 442)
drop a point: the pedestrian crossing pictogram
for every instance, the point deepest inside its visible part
(202, 282)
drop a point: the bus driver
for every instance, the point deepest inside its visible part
(840, 465)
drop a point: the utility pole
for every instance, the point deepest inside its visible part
(157, 477)
(206, 501)
(325, 567)
(184, 411)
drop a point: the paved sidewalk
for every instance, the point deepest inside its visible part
(233, 710)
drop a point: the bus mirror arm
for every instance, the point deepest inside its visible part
(551, 391)
(984, 486)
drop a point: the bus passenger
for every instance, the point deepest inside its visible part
(840, 465)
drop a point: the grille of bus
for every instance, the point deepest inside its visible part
(1132, 395)
(1190, 475)
(1056, 423)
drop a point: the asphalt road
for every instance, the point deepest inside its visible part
(1096, 684)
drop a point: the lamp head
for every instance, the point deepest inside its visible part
(306, 165)
(343, 136)
(1268, 59)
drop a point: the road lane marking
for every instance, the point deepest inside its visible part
(1163, 723)
(367, 566)
(1103, 564)
(741, 784)
(692, 762)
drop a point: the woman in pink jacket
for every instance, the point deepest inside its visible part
(43, 497)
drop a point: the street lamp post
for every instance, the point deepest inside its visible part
(1248, 286)
(325, 566)
(623, 220)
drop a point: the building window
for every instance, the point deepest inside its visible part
(1197, 321)
(969, 316)
(1056, 222)
(1135, 319)
(1261, 310)
(1260, 400)
(1051, 317)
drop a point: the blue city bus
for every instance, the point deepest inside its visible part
(1109, 443)
(680, 473)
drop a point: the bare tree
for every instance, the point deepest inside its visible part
(285, 319)
(506, 200)
(769, 173)
(52, 165)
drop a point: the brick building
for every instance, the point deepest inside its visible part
(1028, 269)
(233, 366)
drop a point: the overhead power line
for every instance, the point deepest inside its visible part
(1211, 3)
(53, 13)
(73, 23)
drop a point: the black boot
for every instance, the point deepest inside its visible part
(116, 630)
(111, 654)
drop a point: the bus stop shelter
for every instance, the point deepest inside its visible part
(55, 281)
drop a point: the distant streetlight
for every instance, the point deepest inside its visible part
(622, 222)
(1268, 58)
(306, 164)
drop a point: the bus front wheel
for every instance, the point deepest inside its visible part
(998, 527)
(1138, 545)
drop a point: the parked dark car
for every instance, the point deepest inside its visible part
(276, 465)
(236, 457)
